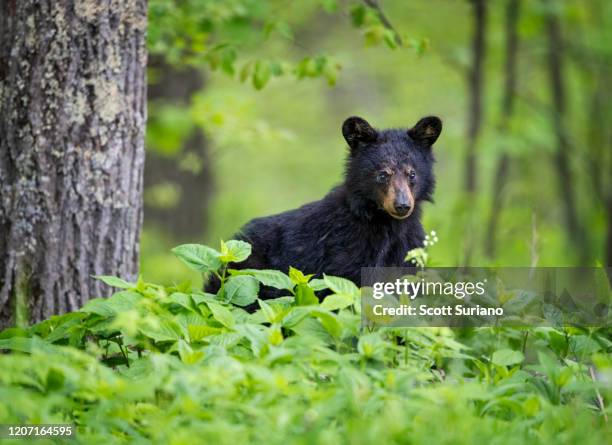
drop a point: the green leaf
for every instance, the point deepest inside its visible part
(317, 284)
(187, 354)
(24, 344)
(107, 307)
(268, 311)
(374, 35)
(304, 295)
(267, 277)
(114, 281)
(234, 251)
(358, 15)
(183, 300)
(241, 290)
(98, 306)
(298, 277)
(222, 314)
(507, 357)
(341, 286)
(262, 74)
(246, 71)
(198, 257)
(198, 331)
(161, 330)
(257, 336)
(227, 61)
(55, 380)
(337, 301)
(329, 321)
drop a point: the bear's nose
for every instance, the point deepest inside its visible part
(402, 208)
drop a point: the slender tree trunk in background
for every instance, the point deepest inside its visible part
(475, 85)
(475, 81)
(188, 171)
(608, 252)
(72, 119)
(503, 163)
(562, 155)
(599, 157)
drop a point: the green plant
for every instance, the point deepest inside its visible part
(167, 364)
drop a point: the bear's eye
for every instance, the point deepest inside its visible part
(412, 174)
(382, 177)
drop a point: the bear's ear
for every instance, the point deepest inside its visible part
(426, 131)
(356, 130)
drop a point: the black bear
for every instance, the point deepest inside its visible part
(372, 219)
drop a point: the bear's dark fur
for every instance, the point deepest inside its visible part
(372, 219)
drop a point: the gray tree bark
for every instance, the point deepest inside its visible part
(72, 119)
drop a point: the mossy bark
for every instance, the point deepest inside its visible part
(72, 118)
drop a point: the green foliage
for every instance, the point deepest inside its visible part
(213, 34)
(165, 364)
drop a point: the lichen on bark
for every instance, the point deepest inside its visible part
(72, 116)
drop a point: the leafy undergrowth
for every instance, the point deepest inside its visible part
(155, 364)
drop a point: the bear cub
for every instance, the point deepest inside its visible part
(371, 220)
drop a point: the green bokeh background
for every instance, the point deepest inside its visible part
(280, 147)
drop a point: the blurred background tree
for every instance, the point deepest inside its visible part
(247, 97)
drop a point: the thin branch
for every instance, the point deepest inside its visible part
(384, 20)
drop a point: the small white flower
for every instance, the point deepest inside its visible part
(433, 233)
(425, 243)
(435, 239)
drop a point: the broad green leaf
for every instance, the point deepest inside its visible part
(24, 344)
(341, 286)
(507, 357)
(337, 301)
(161, 330)
(114, 281)
(119, 302)
(297, 276)
(182, 299)
(317, 284)
(330, 321)
(187, 354)
(304, 295)
(295, 316)
(270, 314)
(267, 277)
(241, 290)
(222, 314)
(98, 306)
(257, 336)
(234, 251)
(198, 332)
(198, 257)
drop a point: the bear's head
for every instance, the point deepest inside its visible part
(392, 170)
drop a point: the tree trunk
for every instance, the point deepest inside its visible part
(189, 171)
(72, 119)
(503, 162)
(562, 154)
(608, 252)
(475, 84)
(475, 81)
